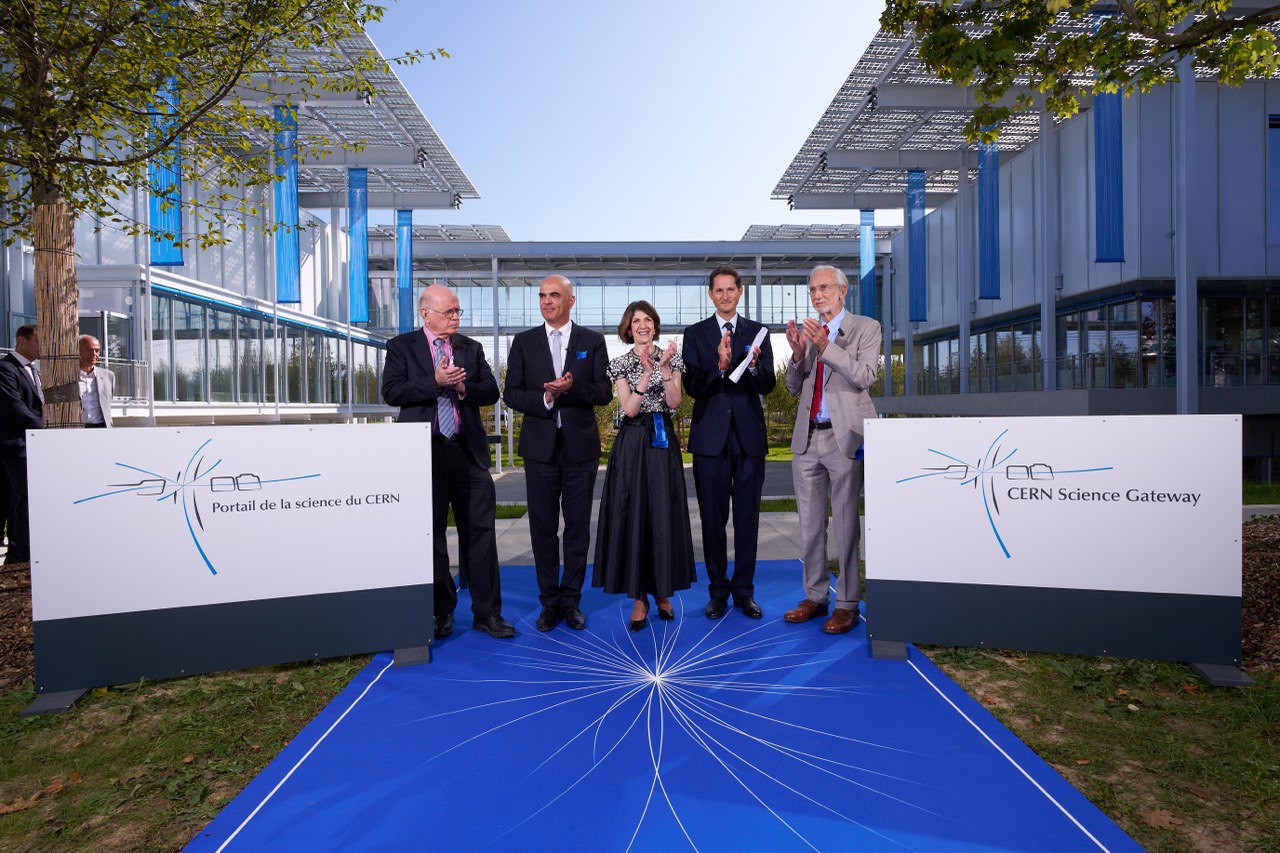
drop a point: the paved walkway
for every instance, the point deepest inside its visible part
(777, 482)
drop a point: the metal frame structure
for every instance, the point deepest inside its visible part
(382, 130)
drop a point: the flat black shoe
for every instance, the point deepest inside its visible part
(548, 619)
(749, 608)
(497, 627)
(716, 608)
(575, 619)
(444, 625)
(667, 615)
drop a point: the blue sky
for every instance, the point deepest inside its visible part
(661, 120)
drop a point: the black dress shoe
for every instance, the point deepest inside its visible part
(548, 619)
(716, 608)
(497, 627)
(638, 624)
(444, 625)
(575, 619)
(749, 607)
(666, 615)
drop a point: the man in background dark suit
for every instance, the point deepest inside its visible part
(727, 439)
(556, 378)
(21, 409)
(435, 374)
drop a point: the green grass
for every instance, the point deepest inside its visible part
(1261, 493)
(503, 511)
(1141, 739)
(145, 766)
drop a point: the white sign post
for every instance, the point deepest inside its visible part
(162, 552)
(1095, 535)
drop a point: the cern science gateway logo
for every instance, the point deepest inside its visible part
(1032, 480)
(184, 489)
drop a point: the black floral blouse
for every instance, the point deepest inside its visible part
(628, 366)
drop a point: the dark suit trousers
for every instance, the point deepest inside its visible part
(717, 479)
(15, 469)
(458, 481)
(550, 486)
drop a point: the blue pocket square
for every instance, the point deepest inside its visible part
(582, 353)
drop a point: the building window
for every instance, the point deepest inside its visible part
(249, 351)
(222, 356)
(189, 358)
(161, 348)
(295, 365)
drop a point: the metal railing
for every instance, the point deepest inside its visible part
(1097, 370)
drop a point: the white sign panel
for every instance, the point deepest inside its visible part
(126, 520)
(1147, 503)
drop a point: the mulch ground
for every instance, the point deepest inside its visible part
(1261, 593)
(1261, 622)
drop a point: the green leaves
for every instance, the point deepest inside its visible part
(1066, 51)
(84, 82)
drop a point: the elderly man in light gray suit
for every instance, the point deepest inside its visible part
(833, 364)
(97, 385)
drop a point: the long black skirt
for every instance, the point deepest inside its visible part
(643, 544)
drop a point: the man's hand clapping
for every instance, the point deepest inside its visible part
(796, 338)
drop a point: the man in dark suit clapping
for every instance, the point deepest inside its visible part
(727, 439)
(21, 409)
(435, 374)
(556, 378)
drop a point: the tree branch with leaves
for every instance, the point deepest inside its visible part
(92, 92)
(1062, 51)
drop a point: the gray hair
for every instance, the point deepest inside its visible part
(84, 338)
(841, 278)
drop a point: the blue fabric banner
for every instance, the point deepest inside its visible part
(867, 262)
(988, 221)
(1108, 177)
(404, 269)
(164, 176)
(288, 261)
(358, 243)
(917, 285)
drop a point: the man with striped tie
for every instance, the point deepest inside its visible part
(435, 374)
(832, 367)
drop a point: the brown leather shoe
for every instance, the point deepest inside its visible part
(841, 621)
(804, 611)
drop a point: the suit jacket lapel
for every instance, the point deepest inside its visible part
(574, 339)
(421, 349)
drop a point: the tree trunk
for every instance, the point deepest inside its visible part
(57, 302)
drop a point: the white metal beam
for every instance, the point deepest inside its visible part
(858, 201)
(380, 200)
(893, 158)
(935, 96)
(372, 157)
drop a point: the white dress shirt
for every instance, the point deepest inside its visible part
(564, 355)
(90, 402)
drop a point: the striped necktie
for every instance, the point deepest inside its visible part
(444, 403)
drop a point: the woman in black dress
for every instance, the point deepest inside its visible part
(644, 545)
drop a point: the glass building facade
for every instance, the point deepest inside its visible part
(206, 353)
(1122, 341)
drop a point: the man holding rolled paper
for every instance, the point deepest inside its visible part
(556, 378)
(728, 367)
(832, 367)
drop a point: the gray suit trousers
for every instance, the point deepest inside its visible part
(821, 470)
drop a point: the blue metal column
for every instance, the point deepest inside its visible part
(404, 270)
(358, 244)
(288, 260)
(988, 220)
(164, 173)
(867, 263)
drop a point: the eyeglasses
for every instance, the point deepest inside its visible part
(452, 312)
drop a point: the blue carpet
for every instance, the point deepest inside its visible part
(693, 734)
